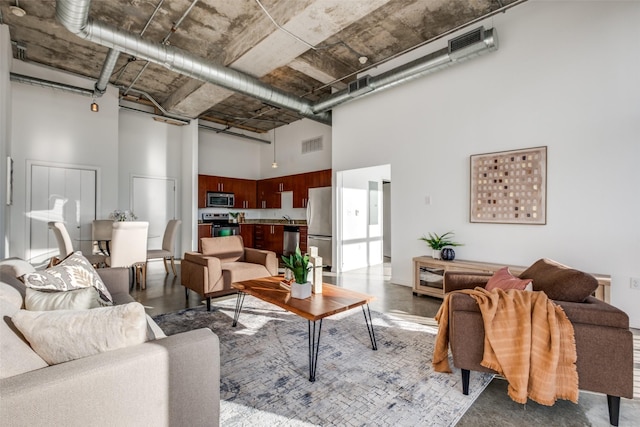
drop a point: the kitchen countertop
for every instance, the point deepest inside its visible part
(298, 222)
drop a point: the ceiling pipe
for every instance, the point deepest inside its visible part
(34, 81)
(228, 132)
(107, 69)
(74, 15)
(417, 68)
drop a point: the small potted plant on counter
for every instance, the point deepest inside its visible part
(299, 266)
(438, 243)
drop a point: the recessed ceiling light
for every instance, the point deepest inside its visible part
(17, 11)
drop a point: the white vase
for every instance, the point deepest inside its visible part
(435, 254)
(300, 290)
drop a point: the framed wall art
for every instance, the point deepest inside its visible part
(509, 187)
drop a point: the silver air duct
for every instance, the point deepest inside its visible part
(73, 14)
(107, 69)
(466, 46)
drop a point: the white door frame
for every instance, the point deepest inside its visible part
(30, 164)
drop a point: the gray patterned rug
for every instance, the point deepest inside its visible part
(265, 373)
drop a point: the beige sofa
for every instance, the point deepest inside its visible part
(223, 261)
(167, 381)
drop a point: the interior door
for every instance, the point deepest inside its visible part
(154, 199)
(65, 194)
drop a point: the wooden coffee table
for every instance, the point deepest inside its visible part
(332, 300)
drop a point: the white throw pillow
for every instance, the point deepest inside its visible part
(78, 299)
(73, 272)
(62, 335)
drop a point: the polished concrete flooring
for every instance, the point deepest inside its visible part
(164, 294)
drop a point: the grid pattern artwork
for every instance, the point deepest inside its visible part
(509, 187)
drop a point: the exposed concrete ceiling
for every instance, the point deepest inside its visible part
(314, 48)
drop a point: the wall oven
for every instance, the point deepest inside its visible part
(220, 200)
(220, 225)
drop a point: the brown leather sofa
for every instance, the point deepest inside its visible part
(223, 261)
(604, 343)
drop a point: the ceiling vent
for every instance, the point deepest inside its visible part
(465, 43)
(312, 145)
(360, 86)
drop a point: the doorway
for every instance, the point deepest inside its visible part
(153, 199)
(360, 217)
(60, 193)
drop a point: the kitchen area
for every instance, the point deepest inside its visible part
(276, 214)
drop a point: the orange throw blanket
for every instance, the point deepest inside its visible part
(528, 339)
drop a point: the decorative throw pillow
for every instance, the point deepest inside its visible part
(78, 299)
(560, 282)
(503, 279)
(73, 272)
(63, 335)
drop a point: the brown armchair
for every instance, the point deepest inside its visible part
(223, 261)
(604, 343)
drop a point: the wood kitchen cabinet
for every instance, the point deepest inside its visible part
(204, 230)
(303, 239)
(247, 232)
(269, 237)
(268, 194)
(243, 189)
(304, 181)
(245, 193)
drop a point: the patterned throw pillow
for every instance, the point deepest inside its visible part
(73, 272)
(503, 279)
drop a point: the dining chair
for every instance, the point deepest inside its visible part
(101, 230)
(168, 246)
(129, 249)
(65, 246)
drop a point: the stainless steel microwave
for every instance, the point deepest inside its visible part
(220, 200)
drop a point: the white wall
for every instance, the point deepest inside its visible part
(289, 149)
(228, 155)
(5, 131)
(565, 76)
(50, 125)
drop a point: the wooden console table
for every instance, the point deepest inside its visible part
(428, 275)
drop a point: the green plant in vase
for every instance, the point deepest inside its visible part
(300, 267)
(298, 264)
(437, 243)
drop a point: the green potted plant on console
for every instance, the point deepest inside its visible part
(299, 266)
(438, 243)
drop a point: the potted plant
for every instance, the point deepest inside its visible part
(437, 243)
(299, 266)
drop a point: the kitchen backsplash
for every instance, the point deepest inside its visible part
(287, 209)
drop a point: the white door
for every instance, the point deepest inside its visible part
(154, 200)
(65, 194)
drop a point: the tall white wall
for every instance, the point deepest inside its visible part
(228, 155)
(50, 125)
(289, 149)
(565, 76)
(5, 131)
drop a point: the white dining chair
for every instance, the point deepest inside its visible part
(65, 246)
(129, 249)
(101, 230)
(168, 246)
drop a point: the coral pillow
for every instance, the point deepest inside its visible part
(503, 279)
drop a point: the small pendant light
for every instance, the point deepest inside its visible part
(274, 165)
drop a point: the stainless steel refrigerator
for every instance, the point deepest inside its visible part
(319, 231)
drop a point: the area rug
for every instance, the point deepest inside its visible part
(265, 373)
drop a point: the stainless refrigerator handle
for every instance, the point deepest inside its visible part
(308, 210)
(318, 237)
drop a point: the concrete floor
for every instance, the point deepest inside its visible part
(165, 294)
